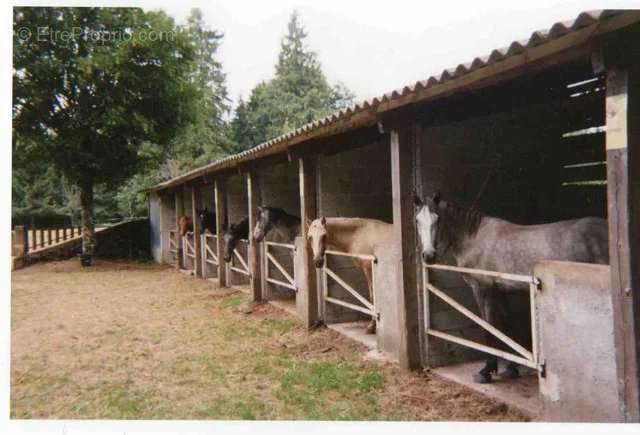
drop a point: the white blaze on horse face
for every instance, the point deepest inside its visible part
(426, 221)
(317, 235)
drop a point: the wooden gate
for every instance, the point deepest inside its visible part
(365, 306)
(521, 356)
(189, 248)
(174, 240)
(238, 263)
(209, 250)
(290, 282)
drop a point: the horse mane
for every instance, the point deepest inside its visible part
(241, 228)
(280, 214)
(457, 222)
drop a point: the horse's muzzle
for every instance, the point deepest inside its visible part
(319, 262)
(428, 257)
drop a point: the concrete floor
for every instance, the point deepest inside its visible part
(357, 331)
(521, 394)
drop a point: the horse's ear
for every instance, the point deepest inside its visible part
(323, 220)
(436, 198)
(417, 201)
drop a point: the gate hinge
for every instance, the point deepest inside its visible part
(543, 369)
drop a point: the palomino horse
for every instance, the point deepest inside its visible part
(482, 242)
(283, 224)
(184, 225)
(351, 235)
(232, 235)
(207, 221)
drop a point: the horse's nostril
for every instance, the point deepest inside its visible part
(428, 257)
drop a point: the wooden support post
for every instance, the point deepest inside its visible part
(308, 212)
(253, 196)
(179, 201)
(623, 198)
(197, 241)
(403, 144)
(25, 240)
(221, 212)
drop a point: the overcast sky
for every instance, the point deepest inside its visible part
(373, 46)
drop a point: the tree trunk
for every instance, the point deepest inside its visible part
(88, 230)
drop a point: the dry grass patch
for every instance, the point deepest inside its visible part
(141, 341)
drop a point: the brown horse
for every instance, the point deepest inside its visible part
(351, 235)
(184, 225)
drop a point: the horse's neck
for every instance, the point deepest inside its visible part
(287, 226)
(467, 243)
(341, 233)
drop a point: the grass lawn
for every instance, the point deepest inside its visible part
(142, 341)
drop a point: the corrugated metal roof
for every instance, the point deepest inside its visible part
(368, 109)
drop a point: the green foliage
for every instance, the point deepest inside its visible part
(119, 114)
(92, 86)
(298, 94)
(88, 104)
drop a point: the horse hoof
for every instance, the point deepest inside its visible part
(482, 378)
(371, 329)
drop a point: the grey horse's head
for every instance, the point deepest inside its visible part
(264, 223)
(427, 216)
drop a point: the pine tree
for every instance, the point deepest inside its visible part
(298, 94)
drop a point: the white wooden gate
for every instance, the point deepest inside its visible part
(290, 282)
(209, 250)
(238, 262)
(174, 240)
(189, 248)
(521, 356)
(365, 306)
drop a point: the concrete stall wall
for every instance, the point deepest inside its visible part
(155, 230)
(279, 187)
(167, 222)
(388, 300)
(237, 209)
(353, 183)
(575, 336)
(511, 163)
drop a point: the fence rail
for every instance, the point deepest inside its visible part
(521, 356)
(365, 306)
(289, 282)
(242, 267)
(32, 239)
(209, 254)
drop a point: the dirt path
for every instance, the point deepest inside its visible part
(124, 340)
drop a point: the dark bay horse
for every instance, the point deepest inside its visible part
(231, 236)
(207, 221)
(278, 221)
(478, 241)
(352, 235)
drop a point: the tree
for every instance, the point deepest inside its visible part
(205, 139)
(298, 94)
(91, 86)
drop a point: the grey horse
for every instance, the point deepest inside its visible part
(477, 241)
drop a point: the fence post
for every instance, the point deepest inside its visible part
(221, 213)
(253, 195)
(403, 142)
(308, 212)
(25, 238)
